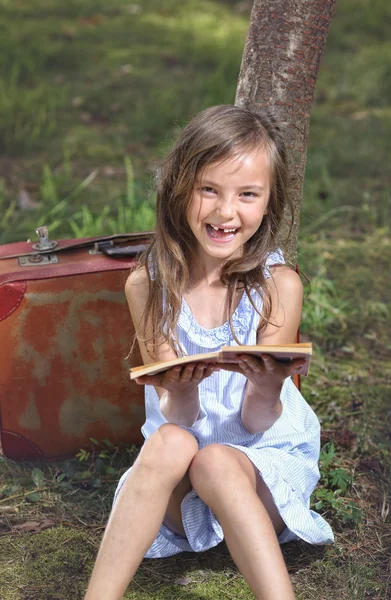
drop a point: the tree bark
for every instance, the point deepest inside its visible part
(280, 64)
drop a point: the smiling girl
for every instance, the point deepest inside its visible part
(231, 451)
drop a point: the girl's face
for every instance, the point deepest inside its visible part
(228, 204)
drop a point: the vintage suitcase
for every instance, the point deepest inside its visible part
(65, 331)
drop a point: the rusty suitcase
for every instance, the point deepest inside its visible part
(65, 331)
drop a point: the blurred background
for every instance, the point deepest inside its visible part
(93, 92)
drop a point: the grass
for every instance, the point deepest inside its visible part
(91, 94)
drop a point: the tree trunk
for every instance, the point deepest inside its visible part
(280, 64)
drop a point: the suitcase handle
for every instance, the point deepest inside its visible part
(121, 251)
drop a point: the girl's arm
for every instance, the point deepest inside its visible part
(178, 387)
(261, 405)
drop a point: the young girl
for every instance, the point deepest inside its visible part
(231, 451)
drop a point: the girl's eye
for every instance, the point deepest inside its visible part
(249, 194)
(208, 189)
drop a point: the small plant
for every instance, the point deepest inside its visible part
(323, 308)
(100, 459)
(128, 215)
(336, 481)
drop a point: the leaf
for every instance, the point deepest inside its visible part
(33, 497)
(33, 526)
(111, 470)
(340, 479)
(28, 526)
(103, 455)
(66, 485)
(327, 455)
(10, 490)
(38, 477)
(100, 466)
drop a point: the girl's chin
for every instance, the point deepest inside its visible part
(219, 251)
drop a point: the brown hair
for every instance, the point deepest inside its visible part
(212, 136)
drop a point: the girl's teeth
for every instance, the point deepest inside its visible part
(225, 230)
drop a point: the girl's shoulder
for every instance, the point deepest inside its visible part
(284, 278)
(137, 285)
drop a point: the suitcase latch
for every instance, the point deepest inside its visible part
(44, 244)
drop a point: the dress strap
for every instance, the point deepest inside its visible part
(274, 258)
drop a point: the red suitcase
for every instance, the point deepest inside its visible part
(65, 331)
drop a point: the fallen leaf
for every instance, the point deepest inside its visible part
(33, 526)
(33, 497)
(28, 526)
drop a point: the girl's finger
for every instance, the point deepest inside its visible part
(187, 373)
(252, 362)
(209, 370)
(172, 374)
(271, 364)
(199, 371)
(296, 365)
(244, 366)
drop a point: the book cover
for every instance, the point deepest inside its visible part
(284, 353)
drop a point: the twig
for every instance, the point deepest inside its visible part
(24, 494)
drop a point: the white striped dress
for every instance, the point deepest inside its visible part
(286, 455)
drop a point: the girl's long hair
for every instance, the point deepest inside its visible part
(214, 135)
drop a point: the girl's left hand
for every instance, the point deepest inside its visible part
(264, 370)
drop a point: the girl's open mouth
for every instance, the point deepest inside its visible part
(221, 234)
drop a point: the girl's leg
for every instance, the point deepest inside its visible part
(226, 480)
(140, 509)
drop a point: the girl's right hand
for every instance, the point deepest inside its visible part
(179, 379)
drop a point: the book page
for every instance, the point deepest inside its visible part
(158, 367)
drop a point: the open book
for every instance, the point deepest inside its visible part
(227, 354)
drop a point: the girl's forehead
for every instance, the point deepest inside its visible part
(255, 161)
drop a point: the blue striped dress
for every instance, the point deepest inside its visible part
(286, 455)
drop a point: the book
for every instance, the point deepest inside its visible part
(283, 353)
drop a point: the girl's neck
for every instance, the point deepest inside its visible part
(206, 274)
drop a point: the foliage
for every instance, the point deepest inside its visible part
(323, 310)
(129, 215)
(336, 481)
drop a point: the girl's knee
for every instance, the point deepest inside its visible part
(216, 465)
(209, 465)
(177, 440)
(171, 448)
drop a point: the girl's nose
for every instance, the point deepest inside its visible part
(226, 208)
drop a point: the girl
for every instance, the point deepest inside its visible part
(231, 451)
